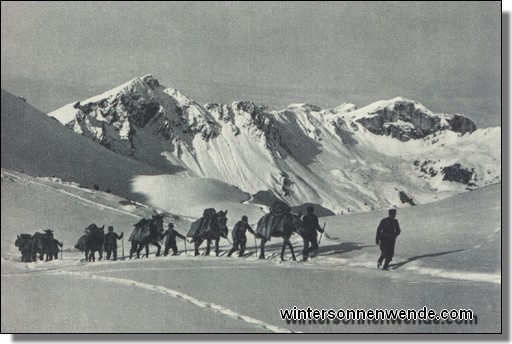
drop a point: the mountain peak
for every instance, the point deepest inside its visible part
(299, 146)
(402, 99)
(407, 119)
(305, 106)
(344, 108)
(150, 80)
(395, 104)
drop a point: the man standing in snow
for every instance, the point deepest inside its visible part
(55, 247)
(311, 226)
(387, 232)
(111, 242)
(170, 241)
(239, 237)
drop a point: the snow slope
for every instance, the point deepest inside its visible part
(460, 235)
(389, 153)
(36, 144)
(39, 146)
(448, 256)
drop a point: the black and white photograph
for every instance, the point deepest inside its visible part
(252, 168)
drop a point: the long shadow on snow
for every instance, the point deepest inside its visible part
(324, 250)
(400, 264)
(341, 248)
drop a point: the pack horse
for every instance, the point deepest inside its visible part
(91, 242)
(147, 231)
(211, 227)
(280, 223)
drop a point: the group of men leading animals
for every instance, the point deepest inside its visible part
(169, 236)
(310, 235)
(387, 232)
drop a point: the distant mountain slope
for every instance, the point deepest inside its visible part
(37, 144)
(389, 153)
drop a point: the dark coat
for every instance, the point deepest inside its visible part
(239, 230)
(171, 237)
(54, 245)
(311, 225)
(111, 240)
(388, 231)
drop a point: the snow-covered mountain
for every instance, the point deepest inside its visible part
(38, 145)
(390, 152)
(323, 154)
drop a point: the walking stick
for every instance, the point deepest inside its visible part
(61, 244)
(122, 246)
(185, 245)
(323, 231)
(320, 240)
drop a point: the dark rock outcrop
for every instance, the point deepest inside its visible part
(457, 173)
(404, 198)
(461, 124)
(344, 133)
(405, 121)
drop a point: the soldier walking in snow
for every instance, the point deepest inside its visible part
(239, 237)
(170, 241)
(311, 226)
(55, 247)
(387, 232)
(111, 242)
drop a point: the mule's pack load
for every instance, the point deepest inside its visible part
(205, 225)
(80, 244)
(146, 232)
(140, 232)
(92, 232)
(37, 241)
(24, 244)
(273, 222)
(22, 241)
(195, 228)
(97, 233)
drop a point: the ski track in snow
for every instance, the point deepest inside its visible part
(440, 273)
(459, 275)
(325, 263)
(176, 294)
(167, 269)
(317, 263)
(469, 276)
(337, 263)
(83, 199)
(332, 264)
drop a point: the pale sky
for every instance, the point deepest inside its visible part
(445, 55)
